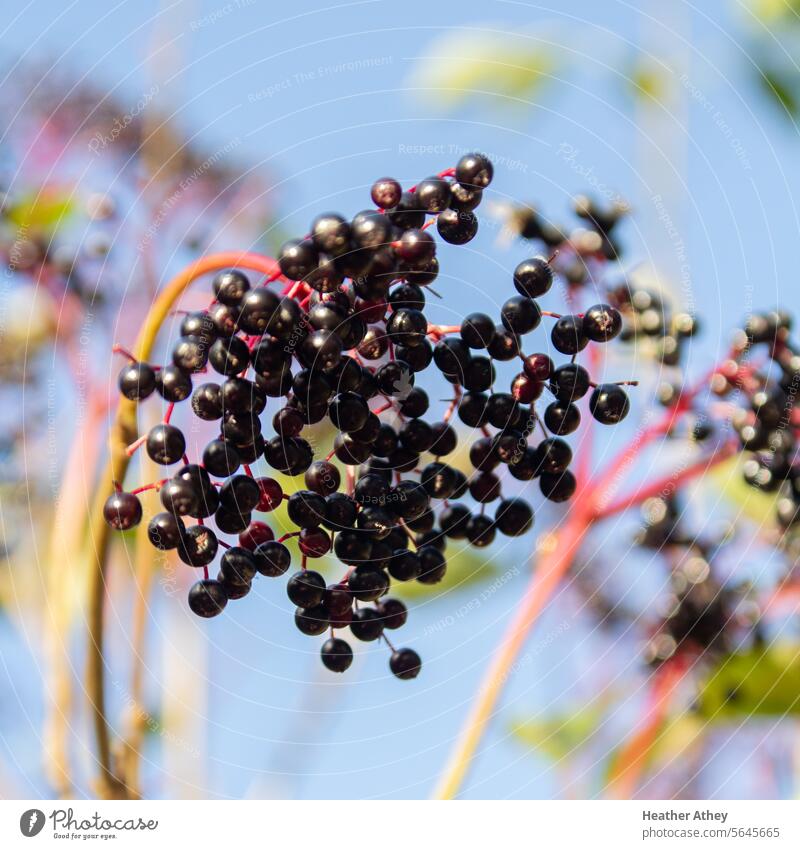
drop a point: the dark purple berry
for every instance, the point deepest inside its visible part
(230, 287)
(198, 546)
(533, 277)
(298, 258)
(602, 323)
(207, 598)
(520, 314)
(456, 227)
(562, 418)
(173, 384)
(477, 330)
(165, 444)
(386, 193)
(137, 381)
(367, 624)
(558, 487)
(568, 336)
(306, 588)
(433, 194)
(475, 169)
(405, 664)
(393, 612)
(122, 511)
(609, 403)
(164, 531)
(272, 559)
(336, 655)
(480, 531)
(513, 517)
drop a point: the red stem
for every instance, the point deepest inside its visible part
(135, 446)
(118, 349)
(289, 536)
(448, 413)
(632, 758)
(669, 483)
(148, 486)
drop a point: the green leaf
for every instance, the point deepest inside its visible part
(781, 87)
(770, 12)
(464, 63)
(559, 736)
(759, 682)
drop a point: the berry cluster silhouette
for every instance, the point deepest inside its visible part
(348, 340)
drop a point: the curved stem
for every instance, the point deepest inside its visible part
(123, 432)
(553, 565)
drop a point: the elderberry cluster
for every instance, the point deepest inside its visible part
(763, 375)
(698, 613)
(752, 409)
(579, 249)
(347, 341)
(703, 615)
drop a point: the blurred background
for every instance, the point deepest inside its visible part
(137, 136)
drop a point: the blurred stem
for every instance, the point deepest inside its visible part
(561, 548)
(131, 745)
(123, 432)
(630, 763)
(64, 575)
(560, 551)
(144, 571)
(665, 486)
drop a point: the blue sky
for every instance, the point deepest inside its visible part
(324, 100)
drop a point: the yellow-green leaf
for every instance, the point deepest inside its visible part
(559, 736)
(463, 63)
(42, 212)
(650, 80)
(775, 11)
(753, 683)
(464, 569)
(757, 506)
